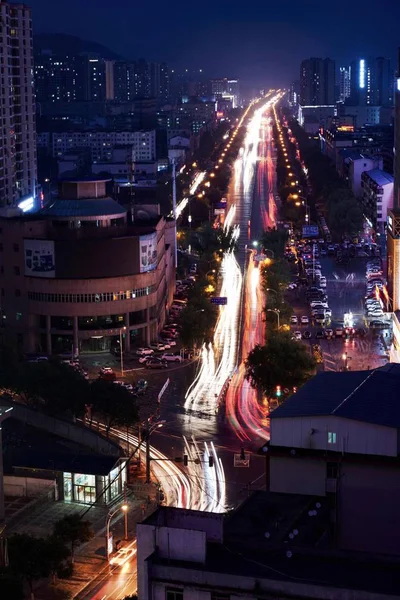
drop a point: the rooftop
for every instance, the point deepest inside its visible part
(90, 207)
(380, 177)
(26, 446)
(273, 537)
(351, 395)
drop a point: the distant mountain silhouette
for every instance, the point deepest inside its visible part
(61, 43)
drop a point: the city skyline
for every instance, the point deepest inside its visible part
(265, 45)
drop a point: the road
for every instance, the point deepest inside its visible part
(192, 423)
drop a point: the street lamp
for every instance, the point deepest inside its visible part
(277, 312)
(110, 515)
(268, 250)
(148, 431)
(121, 354)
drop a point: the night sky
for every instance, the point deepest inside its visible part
(260, 42)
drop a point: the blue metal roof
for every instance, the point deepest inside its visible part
(380, 177)
(368, 396)
(90, 207)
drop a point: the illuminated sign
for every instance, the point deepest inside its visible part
(346, 128)
(27, 204)
(362, 74)
(390, 222)
(398, 84)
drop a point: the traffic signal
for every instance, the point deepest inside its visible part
(278, 391)
(185, 460)
(210, 461)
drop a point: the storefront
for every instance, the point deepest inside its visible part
(94, 489)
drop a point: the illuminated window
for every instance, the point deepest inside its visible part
(331, 437)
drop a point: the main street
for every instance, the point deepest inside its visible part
(194, 411)
(192, 423)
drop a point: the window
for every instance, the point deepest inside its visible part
(332, 470)
(331, 437)
(16, 271)
(174, 594)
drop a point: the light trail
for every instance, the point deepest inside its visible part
(218, 361)
(180, 207)
(246, 415)
(187, 487)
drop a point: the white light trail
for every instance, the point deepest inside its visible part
(184, 488)
(180, 207)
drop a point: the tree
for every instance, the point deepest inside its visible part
(27, 557)
(56, 553)
(114, 402)
(281, 361)
(53, 386)
(72, 530)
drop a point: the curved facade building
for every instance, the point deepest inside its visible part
(78, 276)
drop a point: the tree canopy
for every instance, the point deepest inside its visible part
(281, 361)
(114, 402)
(72, 530)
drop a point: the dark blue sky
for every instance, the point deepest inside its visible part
(256, 40)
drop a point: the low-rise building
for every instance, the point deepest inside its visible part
(316, 116)
(352, 164)
(377, 197)
(338, 437)
(78, 274)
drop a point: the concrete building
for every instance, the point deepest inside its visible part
(70, 462)
(377, 197)
(366, 114)
(352, 165)
(18, 171)
(393, 228)
(344, 83)
(100, 143)
(371, 82)
(338, 437)
(317, 82)
(77, 274)
(270, 547)
(314, 117)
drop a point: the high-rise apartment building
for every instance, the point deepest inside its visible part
(59, 78)
(17, 106)
(393, 224)
(317, 82)
(344, 83)
(371, 82)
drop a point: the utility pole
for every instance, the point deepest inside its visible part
(174, 209)
(147, 430)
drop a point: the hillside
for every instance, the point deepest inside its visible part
(60, 43)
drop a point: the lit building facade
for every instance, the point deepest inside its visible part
(77, 275)
(377, 197)
(344, 83)
(18, 171)
(317, 82)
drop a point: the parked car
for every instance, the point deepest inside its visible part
(107, 373)
(305, 320)
(328, 333)
(144, 351)
(294, 320)
(297, 335)
(339, 332)
(171, 342)
(319, 334)
(159, 347)
(170, 357)
(156, 363)
(307, 334)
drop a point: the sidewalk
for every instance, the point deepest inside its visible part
(90, 560)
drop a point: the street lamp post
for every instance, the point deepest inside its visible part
(121, 354)
(110, 515)
(148, 431)
(277, 312)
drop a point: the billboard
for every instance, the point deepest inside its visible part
(148, 252)
(39, 258)
(310, 231)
